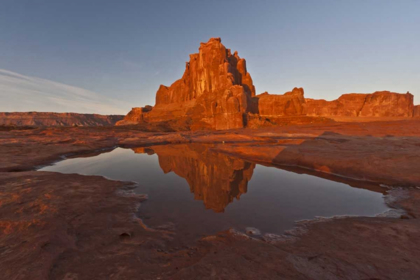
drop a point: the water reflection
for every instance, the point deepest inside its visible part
(194, 192)
(214, 178)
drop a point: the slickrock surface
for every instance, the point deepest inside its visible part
(56, 226)
(57, 119)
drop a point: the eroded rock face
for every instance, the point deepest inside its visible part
(136, 115)
(388, 104)
(377, 104)
(416, 111)
(347, 105)
(291, 103)
(213, 92)
(214, 178)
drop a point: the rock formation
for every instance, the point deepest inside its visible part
(214, 178)
(291, 103)
(214, 91)
(416, 111)
(347, 105)
(217, 92)
(388, 104)
(377, 104)
(57, 119)
(136, 115)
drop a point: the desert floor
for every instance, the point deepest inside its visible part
(69, 226)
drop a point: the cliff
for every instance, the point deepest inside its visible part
(214, 92)
(57, 119)
(291, 103)
(416, 112)
(377, 104)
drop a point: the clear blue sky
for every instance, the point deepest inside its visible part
(126, 49)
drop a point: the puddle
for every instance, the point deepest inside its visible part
(196, 192)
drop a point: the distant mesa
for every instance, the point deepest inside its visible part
(47, 119)
(217, 92)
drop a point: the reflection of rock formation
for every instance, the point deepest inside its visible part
(213, 177)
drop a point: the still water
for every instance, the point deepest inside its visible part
(194, 191)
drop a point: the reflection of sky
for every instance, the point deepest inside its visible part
(126, 49)
(274, 200)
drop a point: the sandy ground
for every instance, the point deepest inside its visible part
(56, 226)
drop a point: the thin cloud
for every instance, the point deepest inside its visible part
(19, 93)
(132, 65)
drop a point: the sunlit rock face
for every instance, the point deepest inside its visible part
(136, 115)
(212, 70)
(377, 104)
(416, 111)
(388, 104)
(213, 92)
(291, 103)
(214, 178)
(347, 105)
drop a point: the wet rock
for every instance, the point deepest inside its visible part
(252, 231)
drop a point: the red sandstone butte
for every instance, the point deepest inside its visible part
(217, 92)
(213, 92)
(291, 103)
(416, 111)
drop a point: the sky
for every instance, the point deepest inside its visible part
(123, 50)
